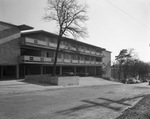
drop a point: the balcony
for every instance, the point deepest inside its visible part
(54, 45)
(59, 60)
(44, 44)
(81, 61)
(99, 63)
(47, 59)
(87, 51)
(74, 49)
(97, 53)
(74, 61)
(87, 62)
(92, 62)
(67, 60)
(28, 40)
(35, 59)
(92, 52)
(81, 50)
(41, 43)
(62, 46)
(38, 43)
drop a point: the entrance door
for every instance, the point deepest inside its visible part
(0, 72)
(9, 72)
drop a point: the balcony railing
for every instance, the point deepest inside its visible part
(67, 60)
(74, 61)
(97, 53)
(81, 61)
(81, 50)
(36, 59)
(62, 46)
(74, 49)
(99, 63)
(29, 40)
(54, 45)
(32, 41)
(92, 52)
(59, 60)
(87, 62)
(41, 43)
(92, 62)
(87, 51)
(47, 59)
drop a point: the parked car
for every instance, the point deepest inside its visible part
(137, 81)
(68, 74)
(132, 81)
(144, 80)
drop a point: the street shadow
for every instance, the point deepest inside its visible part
(107, 103)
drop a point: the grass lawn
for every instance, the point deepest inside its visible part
(140, 111)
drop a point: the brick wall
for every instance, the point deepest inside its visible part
(9, 45)
(3, 26)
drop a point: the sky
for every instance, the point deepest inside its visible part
(113, 24)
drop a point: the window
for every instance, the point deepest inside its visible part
(67, 56)
(75, 56)
(49, 54)
(99, 59)
(87, 58)
(59, 55)
(93, 58)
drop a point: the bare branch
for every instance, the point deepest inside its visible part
(69, 15)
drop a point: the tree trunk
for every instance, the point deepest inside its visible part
(56, 55)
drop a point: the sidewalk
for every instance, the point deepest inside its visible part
(18, 86)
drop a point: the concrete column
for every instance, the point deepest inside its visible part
(95, 70)
(60, 71)
(42, 72)
(85, 71)
(24, 70)
(75, 70)
(1, 71)
(17, 71)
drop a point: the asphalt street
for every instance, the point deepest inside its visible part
(85, 102)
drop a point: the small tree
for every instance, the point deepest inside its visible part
(143, 69)
(69, 16)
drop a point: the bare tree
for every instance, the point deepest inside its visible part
(70, 17)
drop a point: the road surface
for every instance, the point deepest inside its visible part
(87, 102)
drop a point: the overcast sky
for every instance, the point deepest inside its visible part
(113, 24)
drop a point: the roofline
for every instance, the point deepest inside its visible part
(108, 51)
(25, 27)
(42, 31)
(20, 27)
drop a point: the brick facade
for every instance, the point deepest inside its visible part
(9, 45)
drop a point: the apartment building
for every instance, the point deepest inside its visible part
(36, 51)
(10, 49)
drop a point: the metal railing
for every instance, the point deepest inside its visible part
(36, 59)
